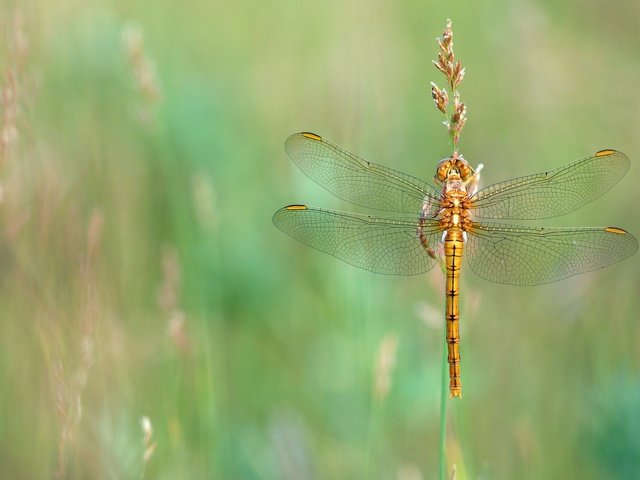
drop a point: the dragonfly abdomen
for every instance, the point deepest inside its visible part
(453, 251)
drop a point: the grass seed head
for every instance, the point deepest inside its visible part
(454, 73)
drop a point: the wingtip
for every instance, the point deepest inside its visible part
(292, 140)
(288, 208)
(616, 230)
(311, 136)
(607, 152)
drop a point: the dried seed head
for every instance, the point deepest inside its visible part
(441, 65)
(17, 41)
(459, 109)
(458, 118)
(446, 61)
(458, 74)
(147, 429)
(454, 73)
(440, 98)
(143, 70)
(385, 362)
(446, 42)
(13, 85)
(149, 446)
(178, 331)
(10, 110)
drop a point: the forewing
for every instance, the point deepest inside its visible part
(552, 193)
(532, 256)
(381, 245)
(357, 181)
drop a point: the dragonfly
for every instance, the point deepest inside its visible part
(443, 225)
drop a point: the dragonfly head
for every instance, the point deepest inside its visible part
(453, 166)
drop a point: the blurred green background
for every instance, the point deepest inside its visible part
(142, 159)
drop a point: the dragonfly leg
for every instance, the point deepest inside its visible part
(424, 240)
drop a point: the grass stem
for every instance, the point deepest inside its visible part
(444, 389)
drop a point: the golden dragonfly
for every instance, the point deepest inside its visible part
(440, 224)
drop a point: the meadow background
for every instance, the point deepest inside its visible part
(141, 160)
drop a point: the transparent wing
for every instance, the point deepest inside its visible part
(532, 256)
(381, 245)
(357, 181)
(552, 193)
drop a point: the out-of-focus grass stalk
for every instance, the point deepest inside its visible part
(149, 443)
(382, 375)
(12, 86)
(144, 75)
(444, 390)
(374, 428)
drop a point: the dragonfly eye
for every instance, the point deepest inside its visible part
(443, 170)
(465, 169)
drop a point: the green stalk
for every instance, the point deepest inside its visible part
(374, 428)
(444, 387)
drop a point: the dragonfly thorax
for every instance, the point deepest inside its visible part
(454, 205)
(454, 187)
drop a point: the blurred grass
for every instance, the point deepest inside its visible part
(121, 214)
